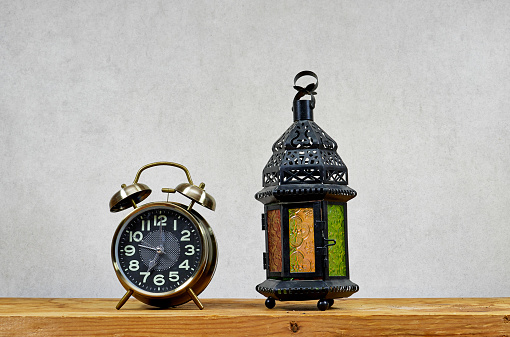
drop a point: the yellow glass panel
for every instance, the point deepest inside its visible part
(301, 240)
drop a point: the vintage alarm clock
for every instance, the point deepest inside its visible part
(164, 253)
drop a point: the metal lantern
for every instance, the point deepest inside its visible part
(305, 198)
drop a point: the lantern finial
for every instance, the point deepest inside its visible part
(303, 110)
(309, 89)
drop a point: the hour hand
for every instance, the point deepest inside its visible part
(148, 247)
(153, 262)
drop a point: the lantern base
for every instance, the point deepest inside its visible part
(303, 290)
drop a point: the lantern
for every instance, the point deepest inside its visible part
(305, 198)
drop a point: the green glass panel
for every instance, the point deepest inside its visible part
(336, 231)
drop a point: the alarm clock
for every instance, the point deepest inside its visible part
(164, 253)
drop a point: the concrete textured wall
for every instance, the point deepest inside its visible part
(416, 93)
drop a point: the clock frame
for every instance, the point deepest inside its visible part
(164, 255)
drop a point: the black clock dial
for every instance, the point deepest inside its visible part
(159, 249)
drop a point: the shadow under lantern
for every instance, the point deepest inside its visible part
(305, 214)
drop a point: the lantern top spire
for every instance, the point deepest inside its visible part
(305, 159)
(303, 110)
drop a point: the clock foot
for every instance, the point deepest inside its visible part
(331, 302)
(124, 299)
(195, 299)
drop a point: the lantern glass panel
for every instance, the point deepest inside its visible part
(336, 231)
(274, 240)
(301, 240)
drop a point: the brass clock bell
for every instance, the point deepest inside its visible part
(164, 253)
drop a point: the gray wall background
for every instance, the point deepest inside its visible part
(416, 93)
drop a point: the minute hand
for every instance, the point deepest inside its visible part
(162, 234)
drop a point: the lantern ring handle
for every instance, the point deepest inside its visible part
(182, 167)
(309, 89)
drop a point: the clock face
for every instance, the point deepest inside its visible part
(158, 249)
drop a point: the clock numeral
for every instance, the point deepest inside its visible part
(136, 236)
(175, 225)
(184, 265)
(191, 250)
(159, 280)
(160, 220)
(129, 250)
(134, 265)
(174, 276)
(186, 235)
(148, 222)
(145, 275)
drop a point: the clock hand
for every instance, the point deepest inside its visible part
(162, 234)
(153, 262)
(152, 248)
(148, 244)
(160, 250)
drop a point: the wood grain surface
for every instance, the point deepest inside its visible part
(238, 317)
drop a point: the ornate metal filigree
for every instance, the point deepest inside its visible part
(304, 154)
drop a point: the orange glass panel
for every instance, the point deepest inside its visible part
(274, 240)
(301, 240)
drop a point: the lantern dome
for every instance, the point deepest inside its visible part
(305, 162)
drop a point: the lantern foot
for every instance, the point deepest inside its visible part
(331, 302)
(323, 305)
(270, 303)
(302, 290)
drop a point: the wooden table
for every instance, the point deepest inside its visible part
(235, 317)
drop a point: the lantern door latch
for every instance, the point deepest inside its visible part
(324, 249)
(264, 257)
(321, 225)
(327, 242)
(263, 221)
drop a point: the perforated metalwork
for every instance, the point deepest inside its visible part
(304, 154)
